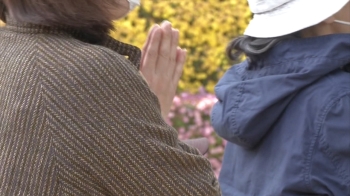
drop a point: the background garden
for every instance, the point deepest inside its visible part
(205, 26)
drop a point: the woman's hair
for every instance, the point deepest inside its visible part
(252, 47)
(2, 11)
(93, 18)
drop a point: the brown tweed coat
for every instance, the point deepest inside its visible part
(78, 119)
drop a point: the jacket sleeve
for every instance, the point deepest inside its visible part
(333, 170)
(109, 136)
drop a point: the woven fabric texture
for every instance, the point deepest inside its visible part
(78, 119)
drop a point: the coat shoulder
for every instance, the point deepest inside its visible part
(71, 51)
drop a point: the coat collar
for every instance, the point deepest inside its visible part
(133, 53)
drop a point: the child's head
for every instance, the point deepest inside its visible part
(337, 23)
(275, 18)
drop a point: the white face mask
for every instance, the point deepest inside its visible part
(342, 22)
(133, 4)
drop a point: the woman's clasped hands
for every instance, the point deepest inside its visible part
(162, 63)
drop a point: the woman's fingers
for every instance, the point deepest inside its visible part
(181, 55)
(162, 63)
(165, 48)
(173, 49)
(146, 45)
(151, 53)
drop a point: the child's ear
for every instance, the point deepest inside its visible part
(329, 20)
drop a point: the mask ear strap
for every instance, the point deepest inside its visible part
(133, 4)
(342, 22)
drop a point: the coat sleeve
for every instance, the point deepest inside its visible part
(333, 166)
(109, 136)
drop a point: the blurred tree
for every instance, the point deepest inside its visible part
(206, 26)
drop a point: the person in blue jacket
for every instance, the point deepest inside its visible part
(285, 110)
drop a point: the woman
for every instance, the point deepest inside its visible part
(285, 111)
(77, 118)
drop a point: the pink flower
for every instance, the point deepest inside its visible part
(217, 150)
(183, 110)
(198, 118)
(193, 111)
(185, 119)
(176, 101)
(171, 115)
(207, 131)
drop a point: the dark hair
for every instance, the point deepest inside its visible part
(93, 18)
(2, 11)
(252, 47)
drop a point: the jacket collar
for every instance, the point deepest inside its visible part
(132, 52)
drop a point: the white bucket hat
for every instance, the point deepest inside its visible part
(274, 18)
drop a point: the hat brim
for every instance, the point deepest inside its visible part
(292, 17)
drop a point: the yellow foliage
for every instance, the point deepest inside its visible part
(206, 26)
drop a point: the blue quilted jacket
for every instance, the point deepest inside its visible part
(287, 120)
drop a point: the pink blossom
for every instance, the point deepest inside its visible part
(190, 115)
(207, 131)
(217, 150)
